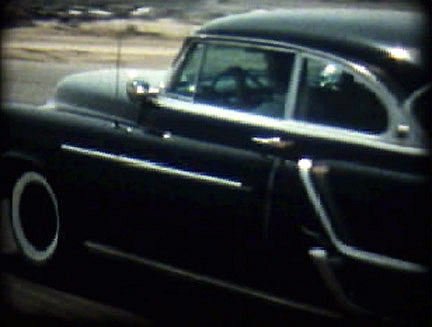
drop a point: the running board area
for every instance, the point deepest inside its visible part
(204, 279)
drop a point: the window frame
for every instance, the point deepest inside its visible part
(409, 107)
(396, 114)
(240, 44)
(178, 65)
(354, 70)
(370, 77)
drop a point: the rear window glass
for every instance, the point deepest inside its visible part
(330, 95)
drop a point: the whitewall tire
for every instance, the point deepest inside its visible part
(35, 217)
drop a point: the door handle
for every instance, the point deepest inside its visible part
(121, 127)
(274, 142)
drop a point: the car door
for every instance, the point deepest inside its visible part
(87, 170)
(362, 170)
(198, 176)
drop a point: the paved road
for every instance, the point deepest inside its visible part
(25, 302)
(34, 82)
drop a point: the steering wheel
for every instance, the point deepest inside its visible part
(243, 94)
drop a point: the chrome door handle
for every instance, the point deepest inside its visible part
(122, 127)
(275, 142)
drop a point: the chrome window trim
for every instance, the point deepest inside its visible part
(387, 140)
(415, 126)
(395, 113)
(372, 258)
(241, 42)
(289, 126)
(280, 45)
(386, 99)
(193, 40)
(178, 63)
(414, 96)
(154, 166)
(292, 94)
(393, 106)
(200, 70)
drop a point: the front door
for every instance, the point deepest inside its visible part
(200, 173)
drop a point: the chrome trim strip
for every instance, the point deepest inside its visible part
(290, 126)
(113, 252)
(384, 141)
(276, 45)
(320, 259)
(372, 258)
(153, 166)
(292, 94)
(417, 93)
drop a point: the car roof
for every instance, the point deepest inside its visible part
(391, 40)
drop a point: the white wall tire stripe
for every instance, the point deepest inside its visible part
(29, 251)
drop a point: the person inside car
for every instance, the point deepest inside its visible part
(279, 71)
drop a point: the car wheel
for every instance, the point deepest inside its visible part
(35, 217)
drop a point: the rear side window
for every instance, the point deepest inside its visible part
(331, 96)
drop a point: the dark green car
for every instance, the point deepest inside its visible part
(285, 156)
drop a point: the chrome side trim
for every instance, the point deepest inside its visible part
(300, 128)
(383, 141)
(114, 252)
(292, 94)
(320, 259)
(418, 93)
(296, 48)
(153, 166)
(376, 259)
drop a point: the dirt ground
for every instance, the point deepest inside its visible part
(97, 42)
(157, 39)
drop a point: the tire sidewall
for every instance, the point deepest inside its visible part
(27, 249)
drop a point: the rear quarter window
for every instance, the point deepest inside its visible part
(330, 95)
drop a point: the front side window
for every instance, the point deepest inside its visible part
(236, 77)
(331, 96)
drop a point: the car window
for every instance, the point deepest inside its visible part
(238, 77)
(184, 82)
(332, 96)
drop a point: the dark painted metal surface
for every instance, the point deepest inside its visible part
(365, 35)
(170, 183)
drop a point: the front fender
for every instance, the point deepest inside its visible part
(102, 92)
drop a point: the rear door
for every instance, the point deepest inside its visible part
(362, 169)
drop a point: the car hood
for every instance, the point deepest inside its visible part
(102, 92)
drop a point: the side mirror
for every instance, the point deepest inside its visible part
(140, 91)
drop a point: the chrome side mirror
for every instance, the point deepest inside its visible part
(140, 91)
